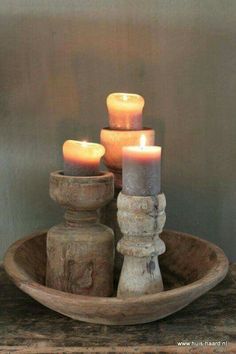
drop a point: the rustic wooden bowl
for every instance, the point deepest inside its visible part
(190, 267)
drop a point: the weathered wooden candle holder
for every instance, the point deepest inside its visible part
(80, 251)
(141, 220)
(113, 141)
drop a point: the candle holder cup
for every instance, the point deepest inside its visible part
(141, 220)
(80, 251)
(114, 141)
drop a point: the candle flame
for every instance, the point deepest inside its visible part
(125, 97)
(142, 141)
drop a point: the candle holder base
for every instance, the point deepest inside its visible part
(80, 251)
(141, 220)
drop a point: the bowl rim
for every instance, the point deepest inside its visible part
(210, 279)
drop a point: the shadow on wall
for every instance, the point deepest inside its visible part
(55, 75)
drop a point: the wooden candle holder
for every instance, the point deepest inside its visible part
(113, 141)
(109, 217)
(80, 251)
(141, 220)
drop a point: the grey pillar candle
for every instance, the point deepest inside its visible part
(82, 158)
(141, 170)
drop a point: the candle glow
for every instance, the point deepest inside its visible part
(82, 158)
(142, 141)
(115, 140)
(125, 111)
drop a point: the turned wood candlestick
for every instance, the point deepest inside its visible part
(80, 251)
(113, 141)
(141, 220)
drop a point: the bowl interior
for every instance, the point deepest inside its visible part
(186, 259)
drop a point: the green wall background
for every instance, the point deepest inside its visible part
(58, 62)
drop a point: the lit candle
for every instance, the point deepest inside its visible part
(141, 169)
(82, 158)
(125, 111)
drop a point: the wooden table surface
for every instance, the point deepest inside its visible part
(28, 327)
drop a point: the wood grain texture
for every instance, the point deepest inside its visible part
(59, 60)
(108, 216)
(28, 327)
(141, 220)
(185, 278)
(80, 251)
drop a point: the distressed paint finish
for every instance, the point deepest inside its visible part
(27, 326)
(141, 220)
(80, 251)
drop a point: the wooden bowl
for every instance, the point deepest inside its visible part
(190, 267)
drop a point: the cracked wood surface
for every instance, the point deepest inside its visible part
(28, 327)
